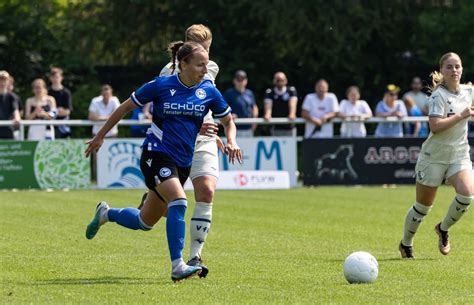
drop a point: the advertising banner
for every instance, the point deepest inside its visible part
(250, 180)
(44, 164)
(360, 161)
(118, 160)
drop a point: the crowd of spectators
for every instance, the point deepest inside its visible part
(54, 102)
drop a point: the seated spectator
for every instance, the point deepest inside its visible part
(390, 106)
(420, 98)
(317, 109)
(63, 98)
(101, 108)
(9, 107)
(354, 109)
(416, 129)
(140, 114)
(40, 106)
(280, 102)
(242, 102)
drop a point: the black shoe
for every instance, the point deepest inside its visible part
(197, 261)
(406, 251)
(443, 241)
(143, 201)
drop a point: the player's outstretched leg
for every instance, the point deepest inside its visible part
(459, 206)
(100, 217)
(413, 220)
(176, 232)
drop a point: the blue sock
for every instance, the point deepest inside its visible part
(128, 218)
(176, 227)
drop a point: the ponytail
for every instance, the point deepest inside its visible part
(173, 50)
(437, 80)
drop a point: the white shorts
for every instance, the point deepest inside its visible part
(205, 160)
(433, 174)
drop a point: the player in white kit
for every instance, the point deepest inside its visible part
(444, 154)
(205, 165)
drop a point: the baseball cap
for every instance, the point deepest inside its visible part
(240, 74)
(391, 88)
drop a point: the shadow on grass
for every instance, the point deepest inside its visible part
(106, 280)
(389, 259)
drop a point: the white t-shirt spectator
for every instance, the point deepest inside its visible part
(318, 108)
(98, 107)
(354, 129)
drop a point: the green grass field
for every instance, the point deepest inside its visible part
(264, 247)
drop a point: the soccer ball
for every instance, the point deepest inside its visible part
(361, 267)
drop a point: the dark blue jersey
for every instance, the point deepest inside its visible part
(178, 113)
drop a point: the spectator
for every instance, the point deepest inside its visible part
(280, 102)
(416, 129)
(62, 95)
(11, 89)
(318, 108)
(421, 99)
(40, 106)
(242, 102)
(101, 108)
(140, 114)
(390, 106)
(9, 106)
(354, 109)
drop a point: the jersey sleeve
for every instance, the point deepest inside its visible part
(436, 105)
(268, 99)
(212, 70)
(292, 91)
(307, 103)
(219, 106)
(145, 93)
(166, 70)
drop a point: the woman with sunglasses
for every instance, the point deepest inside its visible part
(390, 106)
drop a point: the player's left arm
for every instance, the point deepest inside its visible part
(231, 147)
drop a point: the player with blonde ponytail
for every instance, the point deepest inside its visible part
(444, 154)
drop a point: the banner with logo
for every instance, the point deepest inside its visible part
(118, 160)
(250, 180)
(265, 153)
(360, 161)
(44, 164)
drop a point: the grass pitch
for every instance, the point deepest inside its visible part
(264, 247)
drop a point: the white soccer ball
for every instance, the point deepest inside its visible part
(361, 267)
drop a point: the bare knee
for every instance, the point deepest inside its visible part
(204, 188)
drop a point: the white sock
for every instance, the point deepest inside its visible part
(178, 264)
(199, 228)
(413, 220)
(458, 207)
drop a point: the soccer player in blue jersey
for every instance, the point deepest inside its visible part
(180, 102)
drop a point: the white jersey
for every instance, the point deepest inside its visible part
(354, 129)
(212, 71)
(318, 108)
(450, 145)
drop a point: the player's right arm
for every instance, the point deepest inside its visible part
(438, 121)
(96, 142)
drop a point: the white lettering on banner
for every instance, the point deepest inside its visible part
(390, 155)
(265, 153)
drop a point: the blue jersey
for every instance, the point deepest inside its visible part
(178, 113)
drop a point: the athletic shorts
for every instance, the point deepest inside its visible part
(205, 160)
(158, 167)
(433, 174)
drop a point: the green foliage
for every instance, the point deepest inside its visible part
(269, 247)
(367, 43)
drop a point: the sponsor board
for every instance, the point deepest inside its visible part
(250, 180)
(44, 164)
(118, 160)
